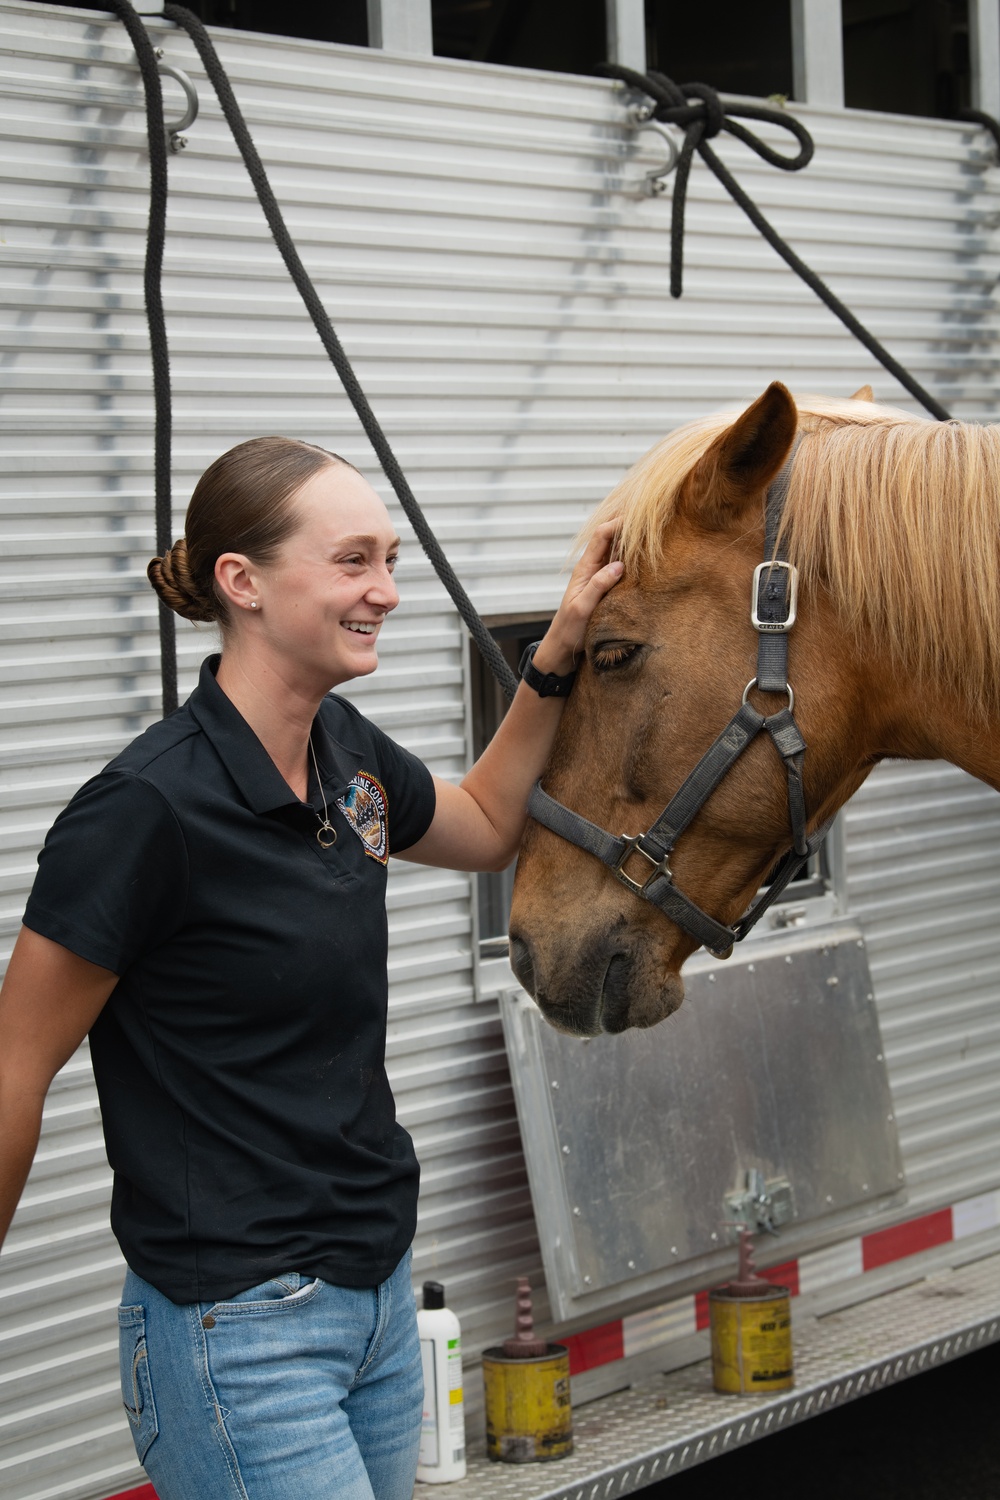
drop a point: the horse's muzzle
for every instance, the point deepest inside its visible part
(594, 989)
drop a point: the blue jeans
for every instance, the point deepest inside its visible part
(291, 1389)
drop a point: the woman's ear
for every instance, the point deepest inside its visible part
(236, 580)
(741, 463)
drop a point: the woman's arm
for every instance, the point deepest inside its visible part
(478, 825)
(49, 1001)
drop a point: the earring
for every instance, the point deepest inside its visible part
(253, 604)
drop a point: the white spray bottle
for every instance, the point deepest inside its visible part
(442, 1436)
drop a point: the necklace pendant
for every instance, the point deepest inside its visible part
(326, 835)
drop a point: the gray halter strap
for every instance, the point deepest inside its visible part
(773, 614)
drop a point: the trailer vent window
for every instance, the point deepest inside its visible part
(907, 56)
(563, 36)
(735, 47)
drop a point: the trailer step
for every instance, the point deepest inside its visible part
(667, 1423)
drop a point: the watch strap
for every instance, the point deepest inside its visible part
(545, 684)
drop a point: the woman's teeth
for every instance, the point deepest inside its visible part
(361, 626)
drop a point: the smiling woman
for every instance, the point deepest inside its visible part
(211, 908)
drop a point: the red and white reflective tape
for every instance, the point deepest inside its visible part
(673, 1320)
(822, 1268)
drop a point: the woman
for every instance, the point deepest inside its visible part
(210, 908)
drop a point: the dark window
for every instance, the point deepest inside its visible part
(314, 20)
(735, 47)
(514, 633)
(908, 56)
(565, 36)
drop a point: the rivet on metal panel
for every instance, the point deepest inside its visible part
(833, 980)
(751, 968)
(565, 1151)
(864, 1187)
(555, 1083)
(829, 1197)
(631, 1265)
(878, 1057)
(860, 943)
(788, 958)
(714, 1235)
(871, 995)
(711, 978)
(586, 1281)
(899, 1176)
(673, 1249)
(890, 1118)
(577, 1212)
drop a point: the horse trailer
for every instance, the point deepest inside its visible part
(492, 241)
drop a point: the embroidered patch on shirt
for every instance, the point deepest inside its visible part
(366, 808)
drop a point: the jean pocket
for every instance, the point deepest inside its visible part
(137, 1389)
(283, 1293)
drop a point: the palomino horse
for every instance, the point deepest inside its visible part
(893, 523)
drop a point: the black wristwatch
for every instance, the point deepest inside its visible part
(545, 684)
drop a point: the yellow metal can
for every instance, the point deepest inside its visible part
(529, 1417)
(751, 1340)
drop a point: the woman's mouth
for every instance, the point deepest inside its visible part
(360, 627)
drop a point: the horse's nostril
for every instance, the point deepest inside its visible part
(614, 1016)
(520, 962)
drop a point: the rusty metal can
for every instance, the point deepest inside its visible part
(751, 1339)
(529, 1417)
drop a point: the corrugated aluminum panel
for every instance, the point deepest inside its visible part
(506, 304)
(923, 864)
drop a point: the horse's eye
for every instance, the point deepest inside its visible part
(613, 654)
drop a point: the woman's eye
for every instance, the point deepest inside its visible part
(615, 654)
(391, 562)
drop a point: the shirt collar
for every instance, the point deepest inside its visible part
(245, 758)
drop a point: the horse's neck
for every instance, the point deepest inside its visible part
(939, 728)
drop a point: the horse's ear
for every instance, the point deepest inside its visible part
(743, 461)
(863, 393)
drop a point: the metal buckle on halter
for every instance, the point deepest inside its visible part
(660, 866)
(774, 626)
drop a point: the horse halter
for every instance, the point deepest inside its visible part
(772, 612)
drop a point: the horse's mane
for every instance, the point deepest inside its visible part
(899, 517)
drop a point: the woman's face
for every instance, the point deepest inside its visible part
(322, 601)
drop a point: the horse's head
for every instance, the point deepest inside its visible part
(668, 654)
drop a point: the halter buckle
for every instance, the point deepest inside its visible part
(791, 590)
(660, 866)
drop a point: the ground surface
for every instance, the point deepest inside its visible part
(932, 1437)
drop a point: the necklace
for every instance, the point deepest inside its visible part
(326, 834)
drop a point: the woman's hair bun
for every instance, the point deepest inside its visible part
(172, 579)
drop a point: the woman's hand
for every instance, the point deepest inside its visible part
(478, 825)
(590, 580)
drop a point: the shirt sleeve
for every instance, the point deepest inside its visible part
(112, 876)
(410, 789)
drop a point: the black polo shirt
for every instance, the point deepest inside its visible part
(240, 1058)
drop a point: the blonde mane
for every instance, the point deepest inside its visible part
(899, 517)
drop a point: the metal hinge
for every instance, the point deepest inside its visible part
(762, 1204)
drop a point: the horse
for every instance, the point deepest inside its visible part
(893, 525)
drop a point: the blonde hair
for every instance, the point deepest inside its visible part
(898, 517)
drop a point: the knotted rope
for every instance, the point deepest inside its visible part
(697, 110)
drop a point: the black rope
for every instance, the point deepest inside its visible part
(491, 652)
(152, 282)
(980, 117)
(702, 120)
